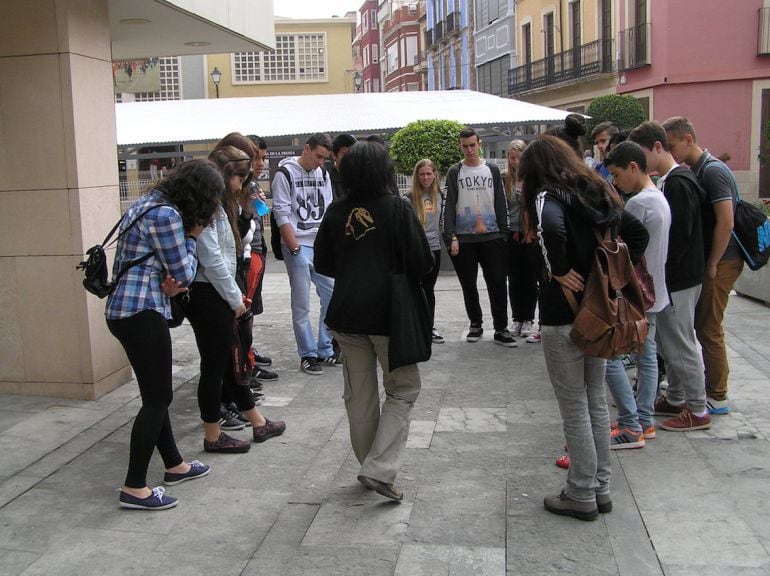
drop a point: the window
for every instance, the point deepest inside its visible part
(297, 57)
(375, 53)
(169, 82)
(373, 20)
(526, 39)
(391, 54)
(366, 56)
(574, 14)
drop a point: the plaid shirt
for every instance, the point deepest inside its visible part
(160, 231)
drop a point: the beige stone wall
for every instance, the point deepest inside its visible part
(58, 195)
(339, 62)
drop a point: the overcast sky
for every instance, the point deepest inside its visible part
(315, 8)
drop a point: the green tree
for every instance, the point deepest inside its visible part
(622, 110)
(434, 139)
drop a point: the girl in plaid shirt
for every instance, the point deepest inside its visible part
(139, 307)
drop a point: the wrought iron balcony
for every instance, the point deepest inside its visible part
(574, 64)
(634, 47)
(763, 38)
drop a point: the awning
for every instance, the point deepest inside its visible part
(188, 121)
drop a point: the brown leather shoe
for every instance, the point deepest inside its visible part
(664, 408)
(268, 430)
(387, 490)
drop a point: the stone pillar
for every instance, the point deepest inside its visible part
(58, 195)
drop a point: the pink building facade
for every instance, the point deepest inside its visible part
(401, 41)
(369, 43)
(708, 60)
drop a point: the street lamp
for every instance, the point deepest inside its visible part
(357, 79)
(216, 76)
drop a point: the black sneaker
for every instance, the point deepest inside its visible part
(228, 420)
(436, 337)
(262, 360)
(263, 375)
(258, 397)
(256, 385)
(233, 407)
(333, 360)
(474, 333)
(310, 365)
(504, 338)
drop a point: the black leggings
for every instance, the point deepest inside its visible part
(146, 339)
(212, 321)
(522, 280)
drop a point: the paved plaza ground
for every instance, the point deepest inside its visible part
(484, 435)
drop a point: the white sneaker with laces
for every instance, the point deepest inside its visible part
(534, 338)
(516, 329)
(526, 328)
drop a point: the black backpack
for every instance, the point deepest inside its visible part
(751, 228)
(275, 231)
(96, 279)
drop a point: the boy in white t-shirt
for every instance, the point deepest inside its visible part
(628, 166)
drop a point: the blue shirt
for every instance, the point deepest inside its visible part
(161, 232)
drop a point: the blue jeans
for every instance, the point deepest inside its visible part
(636, 414)
(301, 273)
(578, 383)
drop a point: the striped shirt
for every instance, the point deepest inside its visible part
(161, 232)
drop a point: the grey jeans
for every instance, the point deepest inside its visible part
(679, 348)
(378, 436)
(578, 383)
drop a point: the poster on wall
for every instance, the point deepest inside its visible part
(133, 76)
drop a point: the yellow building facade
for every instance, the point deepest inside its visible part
(565, 52)
(311, 57)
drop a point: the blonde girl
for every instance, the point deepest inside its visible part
(428, 203)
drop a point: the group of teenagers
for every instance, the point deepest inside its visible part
(531, 230)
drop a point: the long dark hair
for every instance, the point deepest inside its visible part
(196, 188)
(366, 171)
(549, 163)
(232, 162)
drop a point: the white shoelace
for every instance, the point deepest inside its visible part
(158, 492)
(196, 464)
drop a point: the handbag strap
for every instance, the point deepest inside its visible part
(396, 238)
(568, 294)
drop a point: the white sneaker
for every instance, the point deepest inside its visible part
(516, 329)
(534, 338)
(526, 328)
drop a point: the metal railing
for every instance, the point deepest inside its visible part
(574, 64)
(763, 36)
(634, 47)
(131, 190)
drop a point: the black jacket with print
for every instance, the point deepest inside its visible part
(355, 245)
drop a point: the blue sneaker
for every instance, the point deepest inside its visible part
(197, 470)
(717, 407)
(155, 501)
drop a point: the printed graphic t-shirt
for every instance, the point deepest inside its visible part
(475, 201)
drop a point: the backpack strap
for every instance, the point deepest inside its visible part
(130, 264)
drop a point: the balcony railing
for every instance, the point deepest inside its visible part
(634, 47)
(763, 38)
(574, 64)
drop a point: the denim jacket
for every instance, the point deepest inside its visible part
(216, 259)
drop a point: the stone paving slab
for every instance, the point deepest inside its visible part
(480, 458)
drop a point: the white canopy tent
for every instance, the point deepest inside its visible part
(189, 121)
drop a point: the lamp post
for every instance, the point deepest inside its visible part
(216, 76)
(357, 80)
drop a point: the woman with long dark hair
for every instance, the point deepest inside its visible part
(168, 219)
(568, 201)
(356, 246)
(215, 302)
(428, 203)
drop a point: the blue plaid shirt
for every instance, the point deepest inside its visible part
(160, 231)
